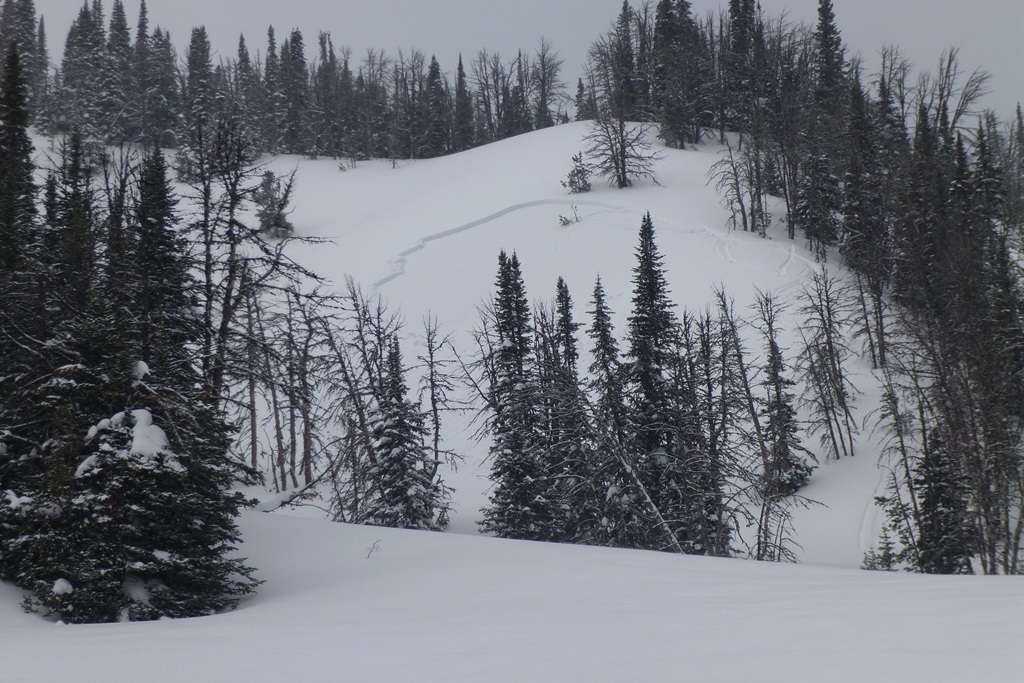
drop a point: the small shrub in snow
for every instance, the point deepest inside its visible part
(578, 180)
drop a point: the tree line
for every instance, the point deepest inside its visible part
(117, 87)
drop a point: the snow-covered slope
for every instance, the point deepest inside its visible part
(365, 604)
(426, 236)
(345, 603)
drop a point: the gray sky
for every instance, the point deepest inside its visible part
(989, 33)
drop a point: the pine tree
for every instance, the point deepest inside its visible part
(436, 138)
(408, 496)
(519, 503)
(21, 283)
(463, 126)
(828, 58)
(116, 76)
(78, 97)
(120, 507)
(679, 83)
(944, 541)
(621, 523)
(586, 107)
(199, 117)
(565, 433)
(654, 414)
(17, 189)
(819, 197)
(294, 91)
(652, 330)
(786, 471)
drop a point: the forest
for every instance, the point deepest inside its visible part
(153, 325)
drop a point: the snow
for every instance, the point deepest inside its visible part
(147, 438)
(62, 587)
(355, 603)
(370, 604)
(426, 237)
(141, 370)
(88, 463)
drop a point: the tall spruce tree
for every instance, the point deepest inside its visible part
(653, 335)
(17, 189)
(652, 331)
(520, 506)
(463, 126)
(408, 496)
(436, 136)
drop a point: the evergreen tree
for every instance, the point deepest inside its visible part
(828, 58)
(17, 189)
(199, 118)
(294, 91)
(786, 471)
(819, 197)
(463, 126)
(944, 542)
(119, 507)
(165, 106)
(679, 83)
(436, 134)
(565, 434)
(652, 331)
(78, 97)
(520, 506)
(586, 107)
(654, 414)
(116, 76)
(408, 496)
(621, 523)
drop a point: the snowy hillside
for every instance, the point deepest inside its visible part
(426, 236)
(348, 603)
(344, 603)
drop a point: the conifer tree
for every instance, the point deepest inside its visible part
(652, 330)
(436, 134)
(17, 189)
(654, 413)
(786, 471)
(294, 91)
(519, 502)
(944, 541)
(81, 75)
(116, 76)
(121, 505)
(463, 126)
(828, 58)
(198, 121)
(565, 432)
(407, 497)
(621, 523)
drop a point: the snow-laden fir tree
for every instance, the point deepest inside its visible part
(407, 495)
(520, 502)
(117, 497)
(786, 470)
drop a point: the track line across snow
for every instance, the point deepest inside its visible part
(401, 259)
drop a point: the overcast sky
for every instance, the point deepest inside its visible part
(989, 33)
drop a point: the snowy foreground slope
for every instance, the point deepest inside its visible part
(344, 603)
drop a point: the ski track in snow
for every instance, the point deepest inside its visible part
(401, 260)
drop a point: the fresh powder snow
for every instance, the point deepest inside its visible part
(348, 603)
